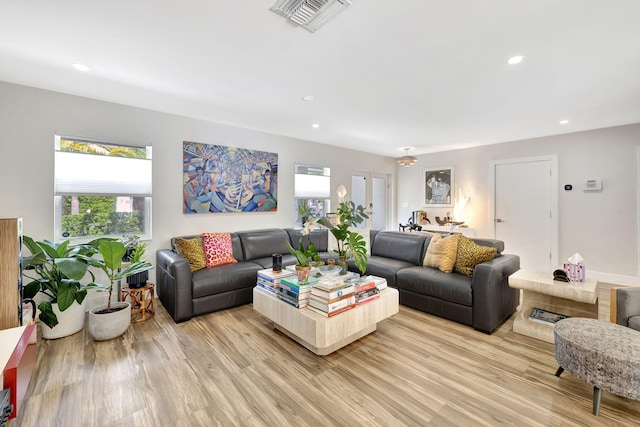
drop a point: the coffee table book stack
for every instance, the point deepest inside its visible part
(268, 280)
(295, 293)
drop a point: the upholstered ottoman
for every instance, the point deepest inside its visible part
(603, 354)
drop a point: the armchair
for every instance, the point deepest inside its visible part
(627, 307)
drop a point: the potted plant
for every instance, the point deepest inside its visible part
(305, 212)
(112, 319)
(55, 270)
(304, 256)
(350, 243)
(138, 280)
(130, 242)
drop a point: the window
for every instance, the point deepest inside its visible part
(101, 189)
(312, 189)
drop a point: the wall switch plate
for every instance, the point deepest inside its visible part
(592, 184)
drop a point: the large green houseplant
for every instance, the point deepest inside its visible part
(112, 319)
(350, 243)
(55, 270)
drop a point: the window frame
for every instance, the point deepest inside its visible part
(58, 199)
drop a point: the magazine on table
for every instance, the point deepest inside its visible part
(544, 316)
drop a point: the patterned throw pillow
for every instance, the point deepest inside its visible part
(471, 254)
(218, 249)
(442, 252)
(193, 251)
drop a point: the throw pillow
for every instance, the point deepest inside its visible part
(218, 249)
(471, 254)
(442, 252)
(193, 251)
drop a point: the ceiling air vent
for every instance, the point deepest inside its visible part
(310, 14)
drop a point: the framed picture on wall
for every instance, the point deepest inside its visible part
(438, 187)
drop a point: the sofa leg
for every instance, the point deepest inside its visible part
(559, 371)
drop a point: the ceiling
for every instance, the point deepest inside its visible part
(428, 74)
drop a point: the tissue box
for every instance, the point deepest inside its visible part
(575, 272)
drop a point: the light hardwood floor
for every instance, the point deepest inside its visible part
(231, 368)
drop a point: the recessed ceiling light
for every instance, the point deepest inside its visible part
(315, 126)
(81, 67)
(308, 98)
(515, 59)
(564, 122)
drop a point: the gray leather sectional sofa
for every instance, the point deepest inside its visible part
(482, 301)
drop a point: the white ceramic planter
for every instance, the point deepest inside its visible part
(110, 325)
(70, 321)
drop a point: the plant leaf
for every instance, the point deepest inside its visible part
(47, 316)
(31, 290)
(112, 253)
(73, 268)
(66, 294)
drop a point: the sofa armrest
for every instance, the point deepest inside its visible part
(493, 300)
(174, 284)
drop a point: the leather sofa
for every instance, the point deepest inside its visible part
(482, 301)
(185, 294)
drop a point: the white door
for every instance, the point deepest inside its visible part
(524, 210)
(370, 190)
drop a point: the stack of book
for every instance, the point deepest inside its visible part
(365, 289)
(381, 282)
(268, 280)
(331, 297)
(294, 293)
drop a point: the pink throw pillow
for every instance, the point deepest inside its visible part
(218, 249)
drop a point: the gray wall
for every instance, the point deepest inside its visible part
(30, 117)
(601, 226)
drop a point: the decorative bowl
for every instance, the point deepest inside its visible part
(329, 271)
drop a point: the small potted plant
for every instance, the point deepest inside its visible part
(305, 212)
(304, 257)
(55, 270)
(130, 242)
(112, 319)
(138, 280)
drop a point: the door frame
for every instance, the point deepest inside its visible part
(553, 159)
(368, 175)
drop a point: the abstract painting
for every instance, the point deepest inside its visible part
(217, 178)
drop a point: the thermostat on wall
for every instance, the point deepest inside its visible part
(593, 184)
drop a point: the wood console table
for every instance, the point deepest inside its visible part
(539, 290)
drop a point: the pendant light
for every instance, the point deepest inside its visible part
(406, 160)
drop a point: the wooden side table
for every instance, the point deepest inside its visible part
(142, 302)
(539, 290)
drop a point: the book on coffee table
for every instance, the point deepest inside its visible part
(544, 316)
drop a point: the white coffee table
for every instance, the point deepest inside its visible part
(324, 335)
(539, 290)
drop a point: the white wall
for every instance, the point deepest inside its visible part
(30, 117)
(601, 226)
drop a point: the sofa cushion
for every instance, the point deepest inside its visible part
(470, 255)
(407, 247)
(218, 249)
(193, 251)
(383, 267)
(319, 237)
(223, 278)
(263, 243)
(267, 262)
(442, 252)
(429, 281)
(634, 323)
